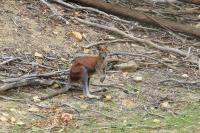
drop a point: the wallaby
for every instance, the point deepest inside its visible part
(85, 66)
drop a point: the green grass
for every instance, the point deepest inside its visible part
(188, 120)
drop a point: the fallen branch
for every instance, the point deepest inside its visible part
(191, 1)
(54, 11)
(26, 82)
(107, 116)
(139, 16)
(33, 76)
(78, 7)
(34, 64)
(59, 92)
(10, 99)
(9, 60)
(153, 114)
(113, 86)
(109, 42)
(141, 55)
(193, 83)
(193, 58)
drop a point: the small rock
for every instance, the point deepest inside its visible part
(171, 70)
(129, 66)
(12, 119)
(33, 109)
(165, 105)
(110, 37)
(36, 99)
(129, 104)
(108, 98)
(137, 79)
(20, 123)
(84, 106)
(5, 114)
(63, 59)
(197, 25)
(55, 32)
(38, 55)
(13, 109)
(86, 50)
(185, 76)
(3, 119)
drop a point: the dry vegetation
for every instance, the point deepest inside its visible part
(33, 41)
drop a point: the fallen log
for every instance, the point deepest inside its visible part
(139, 16)
(191, 1)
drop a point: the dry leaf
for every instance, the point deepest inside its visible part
(33, 109)
(108, 98)
(36, 99)
(82, 97)
(165, 105)
(128, 103)
(77, 14)
(76, 35)
(66, 117)
(5, 114)
(125, 74)
(156, 121)
(12, 119)
(38, 55)
(46, 49)
(58, 120)
(20, 123)
(185, 76)
(84, 106)
(137, 79)
(13, 110)
(197, 25)
(3, 119)
(63, 59)
(86, 50)
(55, 32)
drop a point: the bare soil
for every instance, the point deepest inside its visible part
(26, 28)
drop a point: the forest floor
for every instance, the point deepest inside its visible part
(27, 31)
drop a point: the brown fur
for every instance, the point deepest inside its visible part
(91, 63)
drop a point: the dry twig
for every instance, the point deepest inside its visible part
(194, 83)
(130, 54)
(61, 91)
(10, 99)
(25, 82)
(35, 75)
(54, 11)
(150, 113)
(10, 60)
(109, 42)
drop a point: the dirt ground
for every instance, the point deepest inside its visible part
(26, 29)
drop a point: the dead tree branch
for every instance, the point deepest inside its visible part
(105, 42)
(35, 75)
(54, 11)
(10, 60)
(141, 55)
(59, 92)
(26, 82)
(139, 16)
(193, 83)
(193, 59)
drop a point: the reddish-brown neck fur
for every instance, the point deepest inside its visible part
(88, 62)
